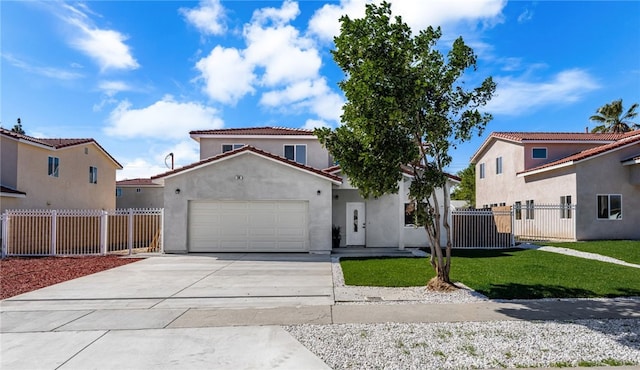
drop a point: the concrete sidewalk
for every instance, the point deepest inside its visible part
(221, 311)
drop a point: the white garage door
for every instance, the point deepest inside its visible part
(257, 226)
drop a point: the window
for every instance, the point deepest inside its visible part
(610, 207)
(518, 210)
(529, 209)
(138, 190)
(296, 153)
(93, 175)
(498, 165)
(481, 171)
(565, 206)
(410, 214)
(230, 147)
(54, 166)
(503, 204)
(118, 192)
(539, 153)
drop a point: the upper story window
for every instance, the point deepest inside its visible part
(93, 175)
(498, 165)
(54, 166)
(481, 170)
(118, 192)
(230, 147)
(539, 153)
(610, 207)
(296, 153)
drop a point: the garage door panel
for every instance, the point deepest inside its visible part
(260, 226)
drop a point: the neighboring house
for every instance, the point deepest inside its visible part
(275, 189)
(55, 173)
(139, 193)
(599, 173)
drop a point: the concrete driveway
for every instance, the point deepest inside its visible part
(172, 311)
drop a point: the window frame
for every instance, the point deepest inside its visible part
(599, 211)
(499, 166)
(533, 150)
(295, 158)
(565, 207)
(529, 209)
(481, 171)
(93, 174)
(53, 167)
(233, 146)
(118, 192)
(518, 210)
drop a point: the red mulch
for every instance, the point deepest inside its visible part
(21, 275)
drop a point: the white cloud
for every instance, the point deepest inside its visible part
(313, 95)
(288, 12)
(110, 88)
(310, 124)
(515, 96)
(106, 47)
(184, 152)
(165, 119)
(50, 72)
(525, 16)
(325, 22)
(227, 75)
(139, 168)
(208, 17)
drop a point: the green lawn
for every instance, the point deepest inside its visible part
(625, 250)
(505, 274)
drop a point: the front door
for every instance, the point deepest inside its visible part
(355, 223)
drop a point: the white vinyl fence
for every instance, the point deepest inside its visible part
(27, 232)
(504, 227)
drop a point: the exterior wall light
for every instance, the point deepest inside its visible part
(318, 192)
(177, 190)
(239, 177)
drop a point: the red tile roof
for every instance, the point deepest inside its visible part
(249, 148)
(633, 139)
(56, 143)
(557, 136)
(255, 131)
(136, 182)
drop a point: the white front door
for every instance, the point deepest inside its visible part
(355, 223)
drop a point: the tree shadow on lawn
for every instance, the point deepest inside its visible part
(585, 306)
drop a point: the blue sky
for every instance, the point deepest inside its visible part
(139, 75)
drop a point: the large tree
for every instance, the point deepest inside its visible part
(466, 190)
(612, 118)
(406, 106)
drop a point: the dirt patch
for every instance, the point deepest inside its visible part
(21, 275)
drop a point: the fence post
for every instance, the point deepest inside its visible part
(3, 233)
(130, 232)
(161, 230)
(104, 232)
(54, 232)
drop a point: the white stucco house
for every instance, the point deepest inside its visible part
(274, 189)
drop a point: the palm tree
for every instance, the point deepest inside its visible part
(611, 118)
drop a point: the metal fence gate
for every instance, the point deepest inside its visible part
(27, 232)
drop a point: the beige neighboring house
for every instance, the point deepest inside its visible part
(55, 173)
(139, 193)
(599, 173)
(275, 189)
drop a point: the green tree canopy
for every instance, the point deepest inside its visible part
(612, 118)
(466, 190)
(406, 106)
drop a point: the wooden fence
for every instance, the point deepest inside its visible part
(81, 232)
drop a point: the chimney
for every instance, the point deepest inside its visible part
(586, 130)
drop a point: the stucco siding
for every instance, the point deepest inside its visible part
(317, 156)
(9, 162)
(247, 177)
(500, 188)
(71, 189)
(555, 151)
(146, 197)
(606, 175)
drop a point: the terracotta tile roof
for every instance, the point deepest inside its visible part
(627, 139)
(254, 131)
(137, 182)
(557, 136)
(249, 148)
(4, 189)
(56, 143)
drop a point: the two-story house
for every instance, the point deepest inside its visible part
(275, 189)
(598, 173)
(38, 173)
